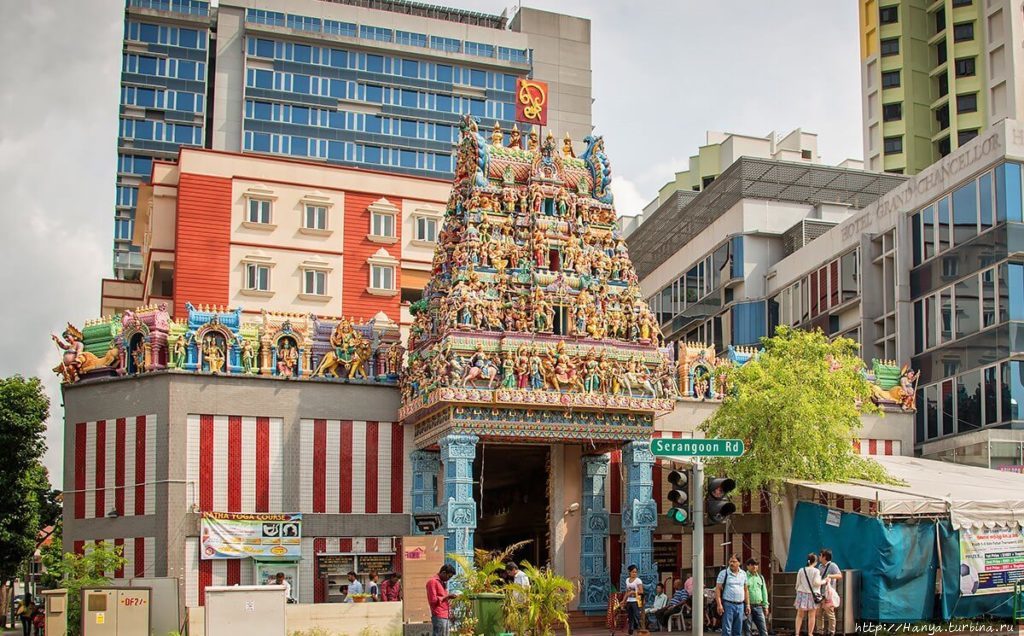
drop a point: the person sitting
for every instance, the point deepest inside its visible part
(675, 604)
(660, 600)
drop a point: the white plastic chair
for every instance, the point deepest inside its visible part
(680, 621)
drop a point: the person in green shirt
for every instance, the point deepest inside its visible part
(758, 593)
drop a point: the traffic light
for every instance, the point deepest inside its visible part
(717, 504)
(679, 496)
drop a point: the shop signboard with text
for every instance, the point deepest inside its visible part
(233, 535)
(991, 560)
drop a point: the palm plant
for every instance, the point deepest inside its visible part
(547, 600)
(475, 577)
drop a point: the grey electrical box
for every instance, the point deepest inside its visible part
(56, 610)
(253, 610)
(110, 611)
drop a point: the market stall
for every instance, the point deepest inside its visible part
(960, 522)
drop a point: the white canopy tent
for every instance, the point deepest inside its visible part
(970, 497)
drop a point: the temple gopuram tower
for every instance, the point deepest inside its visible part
(533, 355)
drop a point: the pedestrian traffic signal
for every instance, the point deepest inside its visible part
(679, 496)
(717, 504)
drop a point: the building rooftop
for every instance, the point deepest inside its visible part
(683, 217)
(434, 11)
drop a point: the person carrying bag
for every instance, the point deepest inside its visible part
(808, 594)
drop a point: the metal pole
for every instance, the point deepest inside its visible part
(697, 601)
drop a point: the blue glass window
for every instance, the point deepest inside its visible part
(444, 103)
(737, 257)
(374, 94)
(145, 97)
(375, 63)
(450, 45)
(372, 154)
(149, 33)
(444, 73)
(188, 38)
(443, 132)
(985, 200)
(510, 83)
(339, 58)
(185, 102)
(965, 212)
(302, 53)
(261, 110)
(748, 323)
(477, 78)
(443, 163)
(373, 124)
(143, 130)
(1016, 283)
(340, 28)
(480, 49)
(407, 158)
(261, 78)
(265, 48)
(409, 99)
(410, 68)
(1008, 194)
(147, 65)
(261, 142)
(300, 115)
(184, 134)
(186, 69)
(300, 146)
(300, 84)
(408, 128)
(303, 23)
(410, 39)
(375, 33)
(477, 107)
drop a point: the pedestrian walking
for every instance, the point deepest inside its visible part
(438, 598)
(25, 612)
(830, 573)
(731, 597)
(808, 582)
(634, 594)
(757, 592)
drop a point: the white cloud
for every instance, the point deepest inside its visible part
(628, 200)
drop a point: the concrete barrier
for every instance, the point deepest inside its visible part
(333, 619)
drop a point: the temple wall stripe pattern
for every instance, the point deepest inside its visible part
(114, 467)
(237, 462)
(354, 467)
(139, 554)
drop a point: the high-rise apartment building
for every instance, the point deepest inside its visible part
(363, 83)
(936, 73)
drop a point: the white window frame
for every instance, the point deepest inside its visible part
(381, 209)
(379, 260)
(265, 208)
(420, 223)
(315, 266)
(252, 277)
(314, 275)
(315, 213)
(315, 200)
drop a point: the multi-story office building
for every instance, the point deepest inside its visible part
(935, 74)
(371, 83)
(702, 257)
(938, 285)
(720, 152)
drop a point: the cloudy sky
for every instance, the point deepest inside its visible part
(664, 73)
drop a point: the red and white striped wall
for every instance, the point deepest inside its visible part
(355, 466)
(236, 462)
(139, 554)
(870, 447)
(204, 573)
(115, 467)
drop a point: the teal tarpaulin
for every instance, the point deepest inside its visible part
(898, 561)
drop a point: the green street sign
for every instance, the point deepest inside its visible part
(697, 447)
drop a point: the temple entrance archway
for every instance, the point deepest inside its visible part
(511, 487)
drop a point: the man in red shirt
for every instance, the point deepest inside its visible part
(438, 597)
(391, 588)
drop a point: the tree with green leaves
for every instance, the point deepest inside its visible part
(797, 407)
(76, 572)
(24, 485)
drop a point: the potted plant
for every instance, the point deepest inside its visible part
(359, 597)
(543, 607)
(481, 600)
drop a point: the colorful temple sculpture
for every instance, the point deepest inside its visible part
(220, 341)
(893, 386)
(533, 329)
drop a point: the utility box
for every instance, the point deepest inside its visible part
(56, 611)
(111, 611)
(253, 610)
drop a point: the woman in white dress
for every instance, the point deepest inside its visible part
(808, 580)
(634, 594)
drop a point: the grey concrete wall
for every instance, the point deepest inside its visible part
(172, 397)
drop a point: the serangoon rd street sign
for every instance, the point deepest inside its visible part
(697, 447)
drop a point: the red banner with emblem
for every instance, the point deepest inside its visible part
(531, 101)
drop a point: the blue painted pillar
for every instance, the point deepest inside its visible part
(458, 507)
(593, 552)
(639, 514)
(425, 467)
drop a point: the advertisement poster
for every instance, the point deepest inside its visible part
(233, 535)
(991, 560)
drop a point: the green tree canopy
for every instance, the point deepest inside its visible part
(797, 407)
(23, 481)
